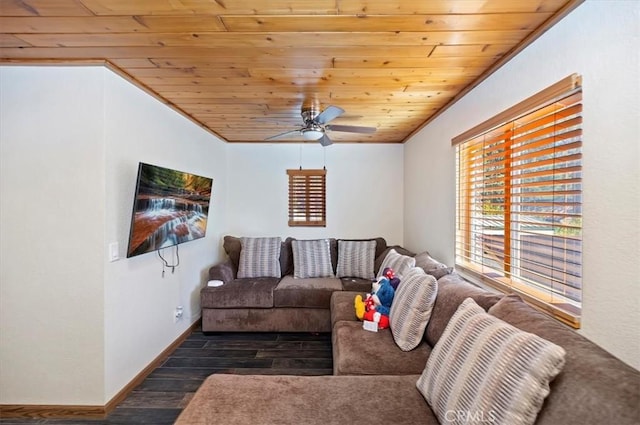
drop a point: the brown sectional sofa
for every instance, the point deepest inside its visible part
(275, 304)
(376, 382)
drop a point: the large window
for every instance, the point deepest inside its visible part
(307, 197)
(519, 200)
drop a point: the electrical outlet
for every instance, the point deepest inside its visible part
(177, 314)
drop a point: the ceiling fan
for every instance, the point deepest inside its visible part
(315, 125)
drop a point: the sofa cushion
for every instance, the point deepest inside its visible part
(286, 257)
(593, 388)
(381, 245)
(432, 266)
(254, 293)
(355, 259)
(342, 307)
(312, 258)
(452, 290)
(309, 400)
(232, 246)
(305, 293)
(483, 366)
(356, 284)
(400, 264)
(259, 257)
(360, 352)
(411, 308)
(266, 320)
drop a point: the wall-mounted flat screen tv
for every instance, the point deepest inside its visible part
(170, 207)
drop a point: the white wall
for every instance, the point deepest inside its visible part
(364, 189)
(139, 302)
(76, 328)
(599, 40)
(52, 212)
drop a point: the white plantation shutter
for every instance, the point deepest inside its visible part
(519, 200)
(307, 198)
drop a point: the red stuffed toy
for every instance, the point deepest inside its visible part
(381, 319)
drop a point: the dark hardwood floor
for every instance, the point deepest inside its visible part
(167, 390)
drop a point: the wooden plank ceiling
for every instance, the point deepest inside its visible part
(242, 68)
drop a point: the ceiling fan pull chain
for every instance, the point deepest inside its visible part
(324, 160)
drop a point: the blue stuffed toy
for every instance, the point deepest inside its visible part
(384, 295)
(377, 305)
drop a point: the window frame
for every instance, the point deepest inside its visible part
(504, 202)
(307, 205)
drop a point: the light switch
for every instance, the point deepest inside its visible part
(114, 255)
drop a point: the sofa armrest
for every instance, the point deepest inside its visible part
(223, 271)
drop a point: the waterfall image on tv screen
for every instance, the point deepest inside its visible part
(170, 207)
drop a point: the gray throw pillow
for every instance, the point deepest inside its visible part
(411, 308)
(355, 258)
(398, 262)
(259, 257)
(488, 371)
(311, 258)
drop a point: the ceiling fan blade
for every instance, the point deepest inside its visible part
(283, 135)
(325, 140)
(351, 129)
(330, 113)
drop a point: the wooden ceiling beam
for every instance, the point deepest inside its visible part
(203, 82)
(384, 23)
(109, 24)
(281, 40)
(410, 7)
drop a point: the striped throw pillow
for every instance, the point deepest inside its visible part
(485, 368)
(411, 308)
(355, 259)
(311, 258)
(398, 262)
(259, 257)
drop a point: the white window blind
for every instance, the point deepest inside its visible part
(519, 200)
(307, 198)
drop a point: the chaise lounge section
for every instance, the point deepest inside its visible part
(357, 352)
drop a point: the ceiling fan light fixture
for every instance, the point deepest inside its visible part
(312, 133)
(315, 125)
